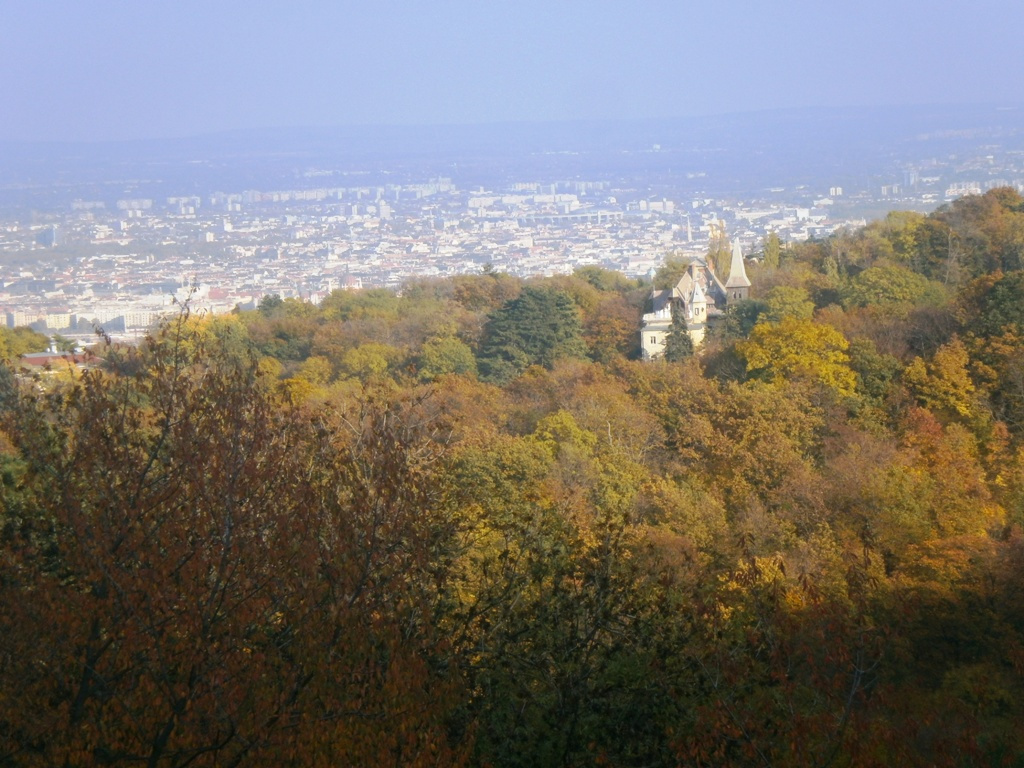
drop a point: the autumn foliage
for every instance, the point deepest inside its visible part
(463, 527)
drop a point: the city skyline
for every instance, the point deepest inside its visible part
(117, 71)
(72, 263)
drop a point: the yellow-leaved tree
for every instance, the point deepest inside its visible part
(799, 349)
(943, 385)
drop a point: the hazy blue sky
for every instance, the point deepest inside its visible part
(107, 69)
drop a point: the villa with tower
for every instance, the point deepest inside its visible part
(702, 298)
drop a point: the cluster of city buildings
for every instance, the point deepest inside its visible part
(123, 264)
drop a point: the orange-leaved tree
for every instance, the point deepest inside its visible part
(193, 574)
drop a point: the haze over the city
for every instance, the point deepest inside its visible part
(229, 151)
(72, 71)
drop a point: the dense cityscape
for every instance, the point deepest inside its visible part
(123, 263)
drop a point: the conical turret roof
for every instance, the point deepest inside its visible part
(737, 271)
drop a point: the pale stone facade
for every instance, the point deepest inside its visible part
(700, 295)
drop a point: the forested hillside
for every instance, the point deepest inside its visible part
(463, 525)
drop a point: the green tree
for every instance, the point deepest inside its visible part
(377, 304)
(719, 254)
(875, 371)
(784, 301)
(606, 280)
(288, 337)
(901, 229)
(670, 271)
(892, 286)
(678, 342)
(538, 327)
(994, 304)
(270, 304)
(740, 319)
(64, 344)
(446, 355)
(370, 360)
(15, 342)
(771, 250)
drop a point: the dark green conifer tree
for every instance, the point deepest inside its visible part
(537, 327)
(678, 343)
